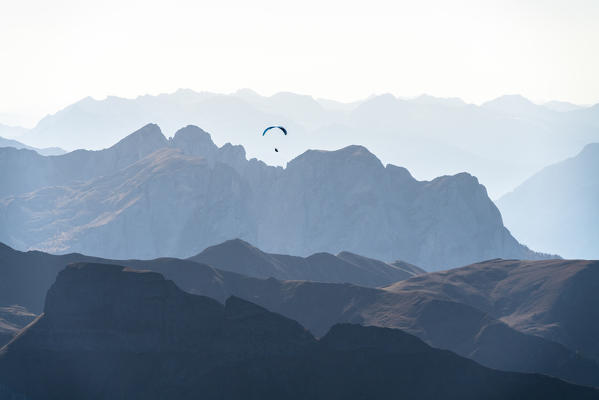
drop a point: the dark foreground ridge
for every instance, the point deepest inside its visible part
(110, 332)
(506, 315)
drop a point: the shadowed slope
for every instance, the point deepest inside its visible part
(547, 298)
(111, 332)
(428, 314)
(241, 257)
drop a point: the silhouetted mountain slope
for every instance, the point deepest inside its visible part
(110, 332)
(547, 298)
(241, 257)
(562, 106)
(147, 197)
(49, 151)
(318, 306)
(24, 170)
(447, 324)
(26, 276)
(557, 207)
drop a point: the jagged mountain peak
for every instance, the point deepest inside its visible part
(280, 210)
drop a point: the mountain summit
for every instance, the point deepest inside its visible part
(147, 196)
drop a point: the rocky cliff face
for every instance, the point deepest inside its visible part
(148, 197)
(108, 332)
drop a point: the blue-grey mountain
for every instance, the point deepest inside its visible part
(148, 196)
(501, 142)
(558, 208)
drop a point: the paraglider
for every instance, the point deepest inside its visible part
(282, 128)
(273, 127)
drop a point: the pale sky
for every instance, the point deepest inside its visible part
(53, 53)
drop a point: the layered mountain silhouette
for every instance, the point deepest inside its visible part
(548, 298)
(11, 132)
(108, 332)
(241, 257)
(49, 151)
(147, 196)
(430, 136)
(557, 207)
(466, 327)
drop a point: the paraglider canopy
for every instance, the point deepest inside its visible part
(273, 127)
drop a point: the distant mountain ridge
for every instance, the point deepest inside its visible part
(108, 331)
(50, 151)
(147, 196)
(241, 257)
(557, 207)
(430, 136)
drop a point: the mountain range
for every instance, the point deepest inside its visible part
(469, 310)
(241, 257)
(557, 207)
(502, 142)
(50, 151)
(111, 332)
(11, 132)
(148, 196)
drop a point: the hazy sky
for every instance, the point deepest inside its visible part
(53, 53)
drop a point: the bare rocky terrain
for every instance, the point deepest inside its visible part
(147, 196)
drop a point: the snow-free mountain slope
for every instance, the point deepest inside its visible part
(548, 298)
(243, 258)
(148, 197)
(557, 208)
(50, 151)
(109, 331)
(427, 313)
